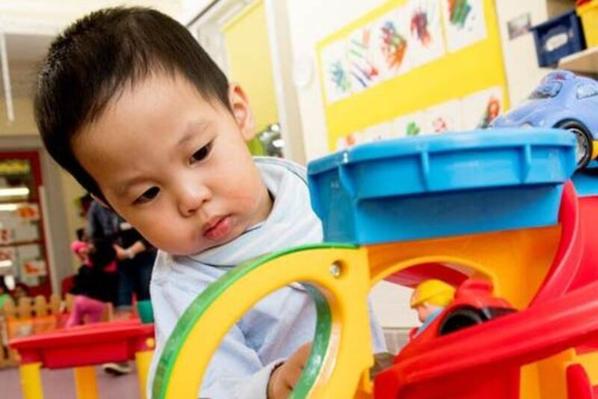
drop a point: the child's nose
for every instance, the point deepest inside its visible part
(191, 198)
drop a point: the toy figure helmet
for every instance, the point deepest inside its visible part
(434, 292)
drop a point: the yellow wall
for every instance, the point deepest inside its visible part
(249, 61)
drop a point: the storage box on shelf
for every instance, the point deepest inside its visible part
(557, 38)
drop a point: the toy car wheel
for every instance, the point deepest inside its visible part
(584, 144)
(461, 318)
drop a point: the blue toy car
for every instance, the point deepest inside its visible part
(562, 100)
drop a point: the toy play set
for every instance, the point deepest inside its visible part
(494, 210)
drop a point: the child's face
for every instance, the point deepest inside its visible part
(424, 311)
(175, 165)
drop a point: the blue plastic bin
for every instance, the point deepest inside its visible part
(435, 186)
(557, 38)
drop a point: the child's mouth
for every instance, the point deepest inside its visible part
(219, 229)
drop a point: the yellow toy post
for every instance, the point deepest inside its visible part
(85, 382)
(31, 381)
(143, 360)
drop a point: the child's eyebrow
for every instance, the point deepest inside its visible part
(122, 187)
(191, 130)
(185, 138)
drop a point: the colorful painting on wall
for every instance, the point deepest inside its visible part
(425, 31)
(337, 82)
(443, 118)
(479, 109)
(360, 55)
(464, 23)
(410, 125)
(391, 46)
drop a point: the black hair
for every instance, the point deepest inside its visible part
(96, 57)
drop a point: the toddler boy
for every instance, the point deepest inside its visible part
(132, 106)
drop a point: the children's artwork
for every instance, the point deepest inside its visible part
(28, 211)
(391, 46)
(479, 109)
(361, 58)
(8, 253)
(350, 140)
(31, 262)
(464, 23)
(443, 118)
(34, 268)
(425, 30)
(6, 234)
(410, 125)
(335, 68)
(8, 256)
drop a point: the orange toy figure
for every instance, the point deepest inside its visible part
(429, 298)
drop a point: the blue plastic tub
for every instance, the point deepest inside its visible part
(434, 186)
(558, 38)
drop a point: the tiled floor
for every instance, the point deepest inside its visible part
(59, 384)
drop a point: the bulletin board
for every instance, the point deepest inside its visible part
(413, 66)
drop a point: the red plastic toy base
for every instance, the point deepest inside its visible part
(87, 345)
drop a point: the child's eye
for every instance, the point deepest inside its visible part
(147, 196)
(201, 154)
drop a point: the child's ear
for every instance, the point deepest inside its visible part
(239, 105)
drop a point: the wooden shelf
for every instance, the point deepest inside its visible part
(555, 8)
(17, 243)
(584, 62)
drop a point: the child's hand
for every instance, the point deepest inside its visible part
(283, 379)
(121, 253)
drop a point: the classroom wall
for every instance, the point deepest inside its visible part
(523, 72)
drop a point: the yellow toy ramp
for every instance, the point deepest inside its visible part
(516, 261)
(337, 278)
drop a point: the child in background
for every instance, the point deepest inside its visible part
(95, 283)
(130, 104)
